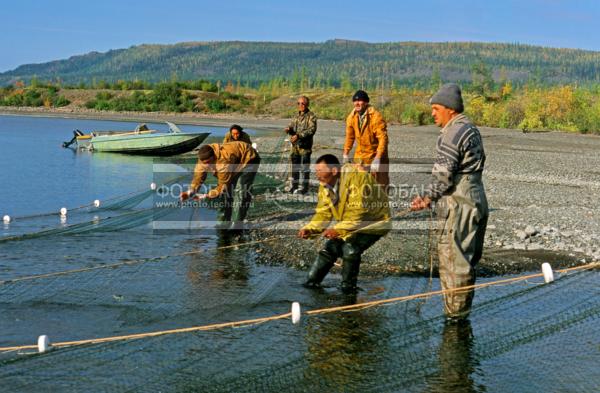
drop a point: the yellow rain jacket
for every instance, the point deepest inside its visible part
(232, 158)
(363, 205)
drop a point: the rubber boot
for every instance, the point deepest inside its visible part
(305, 183)
(224, 216)
(295, 181)
(319, 269)
(245, 203)
(350, 270)
(224, 209)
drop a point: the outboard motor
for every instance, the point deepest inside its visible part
(76, 133)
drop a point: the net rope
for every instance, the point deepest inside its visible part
(346, 308)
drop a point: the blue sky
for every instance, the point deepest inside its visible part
(44, 30)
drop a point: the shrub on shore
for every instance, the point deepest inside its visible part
(18, 95)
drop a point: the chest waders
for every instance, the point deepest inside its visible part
(460, 241)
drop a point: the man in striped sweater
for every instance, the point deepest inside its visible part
(457, 188)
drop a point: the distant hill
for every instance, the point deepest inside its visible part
(330, 62)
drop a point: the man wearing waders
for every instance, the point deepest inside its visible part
(229, 163)
(462, 205)
(351, 196)
(301, 130)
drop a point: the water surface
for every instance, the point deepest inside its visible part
(525, 337)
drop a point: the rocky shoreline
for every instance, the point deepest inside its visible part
(542, 189)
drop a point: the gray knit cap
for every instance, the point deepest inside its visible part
(449, 96)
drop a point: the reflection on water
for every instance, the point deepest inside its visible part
(342, 348)
(457, 362)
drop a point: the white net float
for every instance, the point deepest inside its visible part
(43, 343)
(296, 313)
(548, 273)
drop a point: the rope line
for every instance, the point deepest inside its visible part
(351, 307)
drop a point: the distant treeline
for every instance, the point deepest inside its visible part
(529, 107)
(322, 65)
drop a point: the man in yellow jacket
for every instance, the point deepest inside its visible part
(229, 163)
(350, 196)
(366, 127)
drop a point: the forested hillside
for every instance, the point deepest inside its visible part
(332, 63)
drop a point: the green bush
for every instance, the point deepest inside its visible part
(215, 105)
(415, 113)
(103, 96)
(61, 101)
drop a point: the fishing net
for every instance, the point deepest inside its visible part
(96, 216)
(112, 277)
(385, 348)
(106, 224)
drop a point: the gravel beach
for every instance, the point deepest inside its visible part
(542, 190)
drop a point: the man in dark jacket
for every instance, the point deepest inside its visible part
(301, 131)
(462, 205)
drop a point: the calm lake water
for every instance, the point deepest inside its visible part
(525, 337)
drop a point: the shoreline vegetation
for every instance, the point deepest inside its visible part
(530, 107)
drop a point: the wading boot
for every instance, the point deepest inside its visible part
(305, 183)
(319, 269)
(224, 213)
(295, 181)
(237, 229)
(350, 269)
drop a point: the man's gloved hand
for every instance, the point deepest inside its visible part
(375, 165)
(331, 234)
(420, 203)
(303, 234)
(345, 159)
(185, 195)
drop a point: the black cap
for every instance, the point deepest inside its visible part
(360, 95)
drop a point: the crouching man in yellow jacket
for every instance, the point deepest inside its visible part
(350, 196)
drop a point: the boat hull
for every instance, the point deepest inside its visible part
(153, 144)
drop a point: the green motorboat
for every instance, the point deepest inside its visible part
(141, 141)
